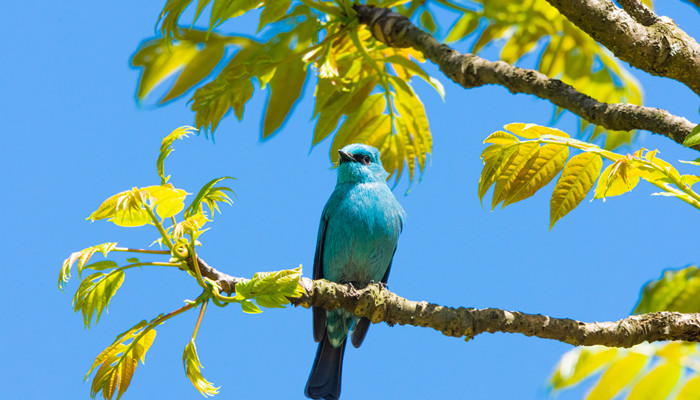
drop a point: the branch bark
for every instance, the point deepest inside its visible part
(661, 49)
(469, 70)
(380, 305)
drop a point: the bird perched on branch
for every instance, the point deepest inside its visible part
(357, 238)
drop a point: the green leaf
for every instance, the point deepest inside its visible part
(693, 139)
(269, 289)
(103, 265)
(198, 68)
(617, 376)
(573, 185)
(160, 59)
(273, 11)
(166, 148)
(285, 90)
(210, 195)
(193, 370)
(95, 292)
(465, 25)
(427, 21)
(82, 256)
(493, 167)
(249, 307)
(677, 290)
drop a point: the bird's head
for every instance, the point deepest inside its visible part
(359, 163)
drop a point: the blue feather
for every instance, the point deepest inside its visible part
(359, 230)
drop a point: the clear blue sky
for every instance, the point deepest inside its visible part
(74, 135)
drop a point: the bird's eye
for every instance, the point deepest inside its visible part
(366, 160)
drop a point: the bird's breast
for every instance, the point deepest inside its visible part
(364, 223)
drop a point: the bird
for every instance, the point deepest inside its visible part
(357, 239)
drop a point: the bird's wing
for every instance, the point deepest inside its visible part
(319, 314)
(360, 330)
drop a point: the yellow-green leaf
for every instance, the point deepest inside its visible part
(95, 292)
(274, 10)
(196, 69)
(691, 389)
(82, 256)
(500, 137)
(166, 148)
(160, 58)
(427, 21)
(658, 383)
(616, 377)
(576, 180)
(193, 370)
(580, 363)
(128, 208)
(118, 361)
(493, 168)
(618, 178)
(677, 290)
(537, 172)
(504, 182)
(285, 89)
(465, 25)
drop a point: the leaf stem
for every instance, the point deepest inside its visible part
(199, 320)
(159, 226)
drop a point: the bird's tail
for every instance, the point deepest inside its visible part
(324, 380)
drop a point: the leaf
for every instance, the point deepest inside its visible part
(493, 168)
(538, 172)
(506, 178)
(693, 139)
(159, 59)
(196, 69)
(190, 361)
(128, 208)
(617, 376)
(274, 10)
(658, 383)
(269, 289)
(690, 389)
(465, 25)
(427, 21)
(166, 148)
(500, 137)
(285, 90)
(192, 225)
(82, 256)
(576, 180)
(118, 362)
(579, 363)
(94, 294)
(618, 178)
(210, 195)
(677, 290)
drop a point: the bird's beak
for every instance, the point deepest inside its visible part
(344, 157)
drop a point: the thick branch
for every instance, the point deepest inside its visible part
(661, 48)
(380, 305)
(696, 3)
(469, 70)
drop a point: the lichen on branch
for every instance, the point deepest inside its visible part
(381, 305)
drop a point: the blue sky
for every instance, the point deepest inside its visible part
(75, 135)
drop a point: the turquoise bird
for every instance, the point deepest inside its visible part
(357, 238)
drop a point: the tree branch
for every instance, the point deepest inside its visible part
(696, 3)
(380, 305)
(640, 12)
(469, 70)
(661, 49)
